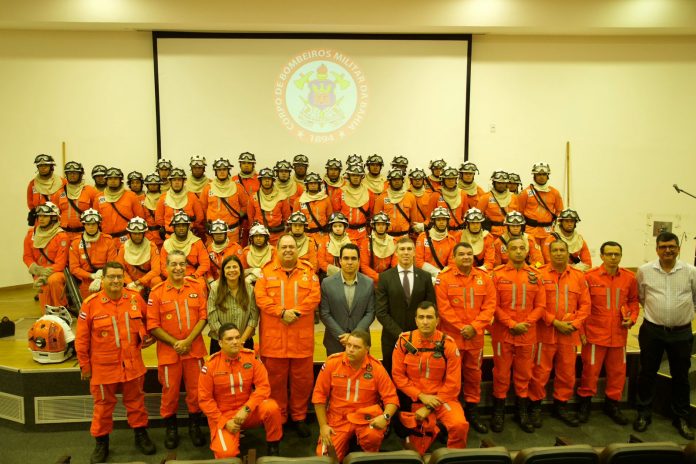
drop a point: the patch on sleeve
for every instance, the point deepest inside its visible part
(204, 370)
(83, 315)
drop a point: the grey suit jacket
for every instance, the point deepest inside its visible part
(335, 314)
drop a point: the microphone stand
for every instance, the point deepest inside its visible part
(676, 187)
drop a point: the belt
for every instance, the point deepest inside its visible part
(496, 223)
(535, 223)
(678, 328)
(154, 228)
(357, 226)
(313, 230)
(119, 234)
(397, 234)
(74, 229)
(276, 229)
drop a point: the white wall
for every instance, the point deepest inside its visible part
(626, 106)
(93, 90)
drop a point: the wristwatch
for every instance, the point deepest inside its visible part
(387, 416)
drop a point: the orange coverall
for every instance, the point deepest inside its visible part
(613, 298)
(69, 217)
(99, 252)
(214, 208)
(216, 259)
(153, 230)
(250, 185)
(443, 249)
(501, 255)
(35, 198)
(424, 206)
(466, 300)
(177, 311)
(324, 258)
(287, 349)
(311, 256)
(245, 253)
(197, 262)
(274, 220)
(322, 210)
(579, 256)
(108, 344)
(456, 221)
(520, 297)
(56, 258)
(494, 212)
(346, 391)
(473, 200)
(226, 385)
(487, 256)
(400, 225)
(193, 209)
(371, 265)
(568, 300)
(358, 220)
(148, 274)
(112, 222)
(432, 373)
(539, 220)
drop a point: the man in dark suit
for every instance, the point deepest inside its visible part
(347, 301)
(399, 292)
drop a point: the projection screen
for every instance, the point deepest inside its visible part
(324, 97)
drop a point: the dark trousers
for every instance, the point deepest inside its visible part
(654, 341)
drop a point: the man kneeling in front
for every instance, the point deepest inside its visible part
(234, 393)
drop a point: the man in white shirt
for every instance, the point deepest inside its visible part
(667, 292)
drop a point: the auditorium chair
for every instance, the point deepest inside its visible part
(572, 454)
(391, 457)
(690, 453)
(282, 460)
(662, 452)
(206, 461)
(495, 455)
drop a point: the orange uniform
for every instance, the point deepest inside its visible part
(310, 254)
(567, 300)
(534, 256)
(539, 219)
(457, 214)
(579, 253)
(324, 256)
(108, 344)
(400, 214)
(345, 391)
(287, 349)
(425, 203)
(69, 214)
(273, 220)
(433, 371)
(226, 385)
(197, 261)
(318, 218)
(613, 299)
(193, 209)
(443, 250)
(484, 252)
(520, 297)
(231, 210)
(332, 188)
(432, 184)
(86, 258)
(153, 230)
(245, 256)
(54, 256)
(358, 218)
(115, 215)
(217, 257)
(372, 265)
(177, 311)
(495, 213)
(34, 198)
(464, 300)
(473, 200)
(249, 184)
(147, 273)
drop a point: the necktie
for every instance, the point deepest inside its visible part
(407, 286)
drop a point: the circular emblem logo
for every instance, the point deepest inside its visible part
(104, 333)
(321, 95)
(169, 316)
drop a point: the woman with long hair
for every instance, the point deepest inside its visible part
(231, 299)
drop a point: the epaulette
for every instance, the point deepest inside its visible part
(90, 297)
(191, 279)
(499, 267)
(157, 286)
(216, 354)
(335, 355)
(446, 269)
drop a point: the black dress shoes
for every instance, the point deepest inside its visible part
(641, 423)
(682, 427)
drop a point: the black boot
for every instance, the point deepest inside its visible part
(561, 411)
(498, 417)
(611, 409)
(523, 415)
(584, 405)
(535, 413)
(194, 429)
(273, 448)
(302, 428)
(171, 434)
(101, 450)
(143, 442)
(471, 413)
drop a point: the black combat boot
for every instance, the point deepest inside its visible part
(194, 429)
(471, 413)
(535, 413)
(584, 406)
(101, 450)
(273, 448)
(611, 409)
(143, 442)
(498, 417)
(561, 411)
(523, 415)
(171, 434)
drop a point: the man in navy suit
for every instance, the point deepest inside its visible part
(347, 301)
(399, 292)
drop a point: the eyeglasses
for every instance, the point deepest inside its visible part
(667, 247)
